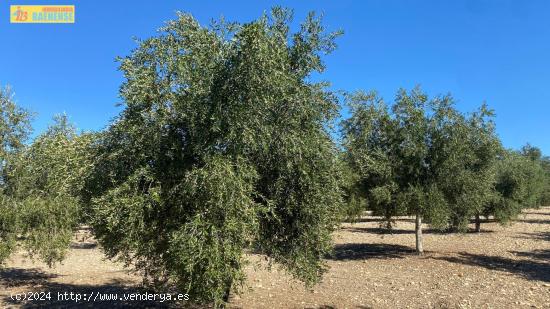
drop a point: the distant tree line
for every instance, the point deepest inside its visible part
(225, 145)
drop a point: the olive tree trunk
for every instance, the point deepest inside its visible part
(418, 230)
(227, 294)
(478, 224)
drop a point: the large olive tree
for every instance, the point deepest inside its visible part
(223, 145)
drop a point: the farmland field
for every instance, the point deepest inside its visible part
(502, 267)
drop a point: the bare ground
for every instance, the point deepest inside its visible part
(502, 267)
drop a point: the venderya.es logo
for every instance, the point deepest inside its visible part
(42, 14)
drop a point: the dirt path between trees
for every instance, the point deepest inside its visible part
(502, 267)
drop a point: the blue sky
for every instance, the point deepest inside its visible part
(493, 51)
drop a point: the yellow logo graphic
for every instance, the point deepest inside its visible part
(63, 14)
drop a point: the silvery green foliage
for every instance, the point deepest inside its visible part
(519, 185)
(390, 147)
(223, 145)
(421, 156)
(38, 184)
(42, 187)
(14, 130)
(14, 125)
(539, 173)
(468, 151)
(368, 141)
(353, 200)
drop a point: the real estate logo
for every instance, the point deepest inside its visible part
(50, 14)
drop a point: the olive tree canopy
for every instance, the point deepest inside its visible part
(223, 145)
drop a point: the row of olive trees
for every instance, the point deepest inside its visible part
(424, 158)
(225, 145)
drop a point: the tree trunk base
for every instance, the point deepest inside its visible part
(418, 232)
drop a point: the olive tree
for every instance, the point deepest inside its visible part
(519, 182)
(41, 189)
(223, 145)
(486, 147)
(368, 143)
(388, 147)
(421, 157)
(468, 149)
(37, 204)
(14, 130)
(537, 181)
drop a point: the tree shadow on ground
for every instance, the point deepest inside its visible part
(377, 219)
(14, 277)
(535, 213)
(335, 307)
(484, 220)
(377, 230)
(83, 245)
(385, 231)
(531, 270)
(60, 293)
(538, 254)
(483, 231)
(343, 252)
(533, 221)
(538, 236)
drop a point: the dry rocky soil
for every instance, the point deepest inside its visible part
(501, 267)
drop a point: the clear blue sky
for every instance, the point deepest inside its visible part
(493, 51)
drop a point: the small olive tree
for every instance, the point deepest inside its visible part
(223, 145)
